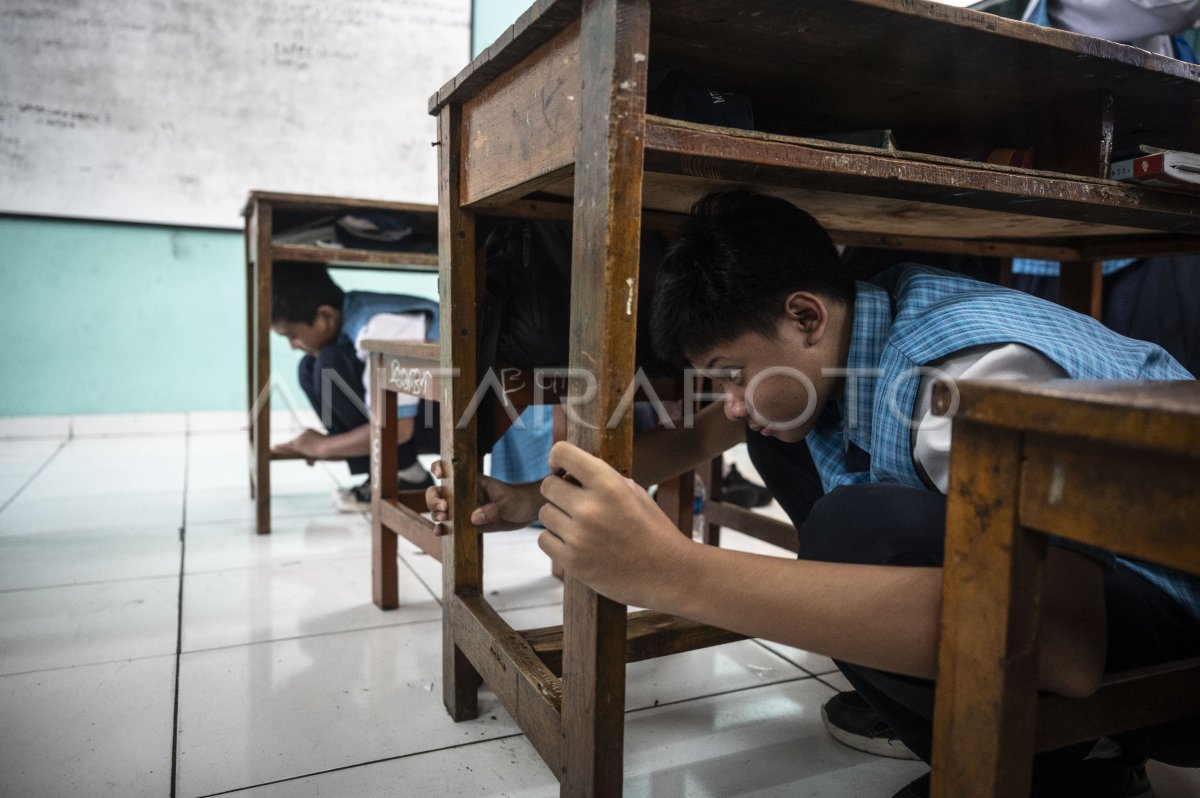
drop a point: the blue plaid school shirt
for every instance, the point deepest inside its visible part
(911, 315)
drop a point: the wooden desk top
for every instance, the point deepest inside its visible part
(934, 74)
(829, 65)
(1159, 416)
(414, 350)
(325, 204)
(295, 211)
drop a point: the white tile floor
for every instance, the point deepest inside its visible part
(152, 644)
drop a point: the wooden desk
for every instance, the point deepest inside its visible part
(554, 111)
(267, 214)
(1114, 465)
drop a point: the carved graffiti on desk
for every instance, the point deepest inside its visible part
(412, 381)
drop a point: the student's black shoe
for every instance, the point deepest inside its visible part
(358, 498)
(736, 489)
(851, 721)
(1120, 777)
(353, 500)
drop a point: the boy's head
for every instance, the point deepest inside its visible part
(306, 305)
(754, 293)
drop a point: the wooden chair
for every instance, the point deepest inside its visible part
(1110, 464)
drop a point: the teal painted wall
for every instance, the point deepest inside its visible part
(489, 18)
(117, 318)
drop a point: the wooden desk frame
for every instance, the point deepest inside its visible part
(268, 213)
(554, 111)
(1113, 465)
(415, 369)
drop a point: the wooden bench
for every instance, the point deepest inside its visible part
(1114, 465)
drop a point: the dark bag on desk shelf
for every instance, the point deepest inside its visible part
(677, 94)
(527, 314)
(394, 231)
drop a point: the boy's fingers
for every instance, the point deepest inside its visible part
(555, 520)
(561, 491)
(436, 468)
(485, 514)
(551, 544)
(435, 503)
(585, 468)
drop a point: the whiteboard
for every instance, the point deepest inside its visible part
(171, 111)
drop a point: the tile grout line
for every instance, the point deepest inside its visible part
(125, 660)
(758, 641)
(90, 583)
(62, 445)
(331, 633)
(721, 693)
(187, 439)
(409, 755)
(363, 764)
(409, 566)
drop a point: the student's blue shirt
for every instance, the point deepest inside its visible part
(358, 307)
(521, 453)
(909, 316)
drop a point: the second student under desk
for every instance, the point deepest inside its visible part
(268, 215)
(577, 78)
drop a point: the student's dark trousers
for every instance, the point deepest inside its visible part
(344, 372)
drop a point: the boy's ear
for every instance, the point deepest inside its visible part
(807, 310)
(327, 313)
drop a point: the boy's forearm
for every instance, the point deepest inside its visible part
(357, 442)
(661, 454)
(352, 443)
(880, 616)
(810, 605)
(607, 532)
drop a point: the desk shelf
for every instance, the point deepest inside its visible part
(348, 258)
(1065, 209)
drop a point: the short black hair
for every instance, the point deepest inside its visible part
(738, 257)
(298, 289)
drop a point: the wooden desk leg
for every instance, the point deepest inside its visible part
(607, 228)
(676, 498)
(1081, 287)
(384, 485)
(462, 571)
(987, 662)
(260, 400)
(715, 473)
(248, 237)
